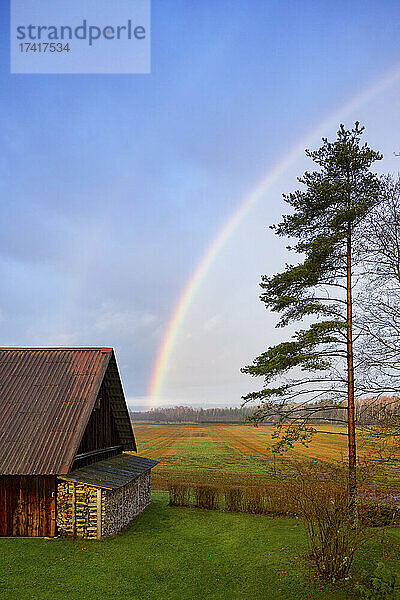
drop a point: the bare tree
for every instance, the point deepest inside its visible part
(379, 300)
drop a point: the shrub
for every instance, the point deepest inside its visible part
(234, 499)
(379, 515)
(179, 495)
(280, 500)
(276, 499)
(334, 531)
(255, 501)
(379, 508)
(206, 497)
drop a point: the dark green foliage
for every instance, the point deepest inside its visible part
(326, 221)
(342, 193)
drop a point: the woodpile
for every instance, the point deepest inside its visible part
(87, 511)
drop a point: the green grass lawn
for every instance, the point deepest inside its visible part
(175, 553)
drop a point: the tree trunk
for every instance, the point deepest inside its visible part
(351, 431)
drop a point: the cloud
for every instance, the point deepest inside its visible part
(211, 323)
(122, 323)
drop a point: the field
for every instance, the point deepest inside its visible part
(239, 454)
(179, 553)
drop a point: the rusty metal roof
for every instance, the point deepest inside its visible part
(46, 398)
(112, 473)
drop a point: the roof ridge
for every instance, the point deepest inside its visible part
(59, 348)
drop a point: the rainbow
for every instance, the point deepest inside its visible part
(193, 284)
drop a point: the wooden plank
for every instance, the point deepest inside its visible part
(39, 512)
(47, 507)
(53, 492)
(10, 499)
(74, 510)
(23, 506)
(27, 506)
(30, 503)
(35, 509)
(3, 508)
(15, 499)
(99, 513)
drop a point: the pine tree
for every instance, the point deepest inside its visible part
(317, 362)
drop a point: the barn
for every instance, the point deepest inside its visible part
(67, 462)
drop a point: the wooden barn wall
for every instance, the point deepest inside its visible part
(27, 506)
(101, 431)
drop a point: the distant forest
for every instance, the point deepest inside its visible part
(186, 414)
(368, 411)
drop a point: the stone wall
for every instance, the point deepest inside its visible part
(120, 506)
(90, 512)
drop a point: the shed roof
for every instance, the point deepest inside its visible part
(112, 473)
(46, 398)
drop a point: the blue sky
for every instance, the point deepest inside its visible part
(113, 186)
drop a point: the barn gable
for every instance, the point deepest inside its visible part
(63, 432)
(51, 400)
(101, 438)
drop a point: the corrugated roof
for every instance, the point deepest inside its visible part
(46, 398)
(112, 473)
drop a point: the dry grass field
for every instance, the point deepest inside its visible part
(240, 454)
